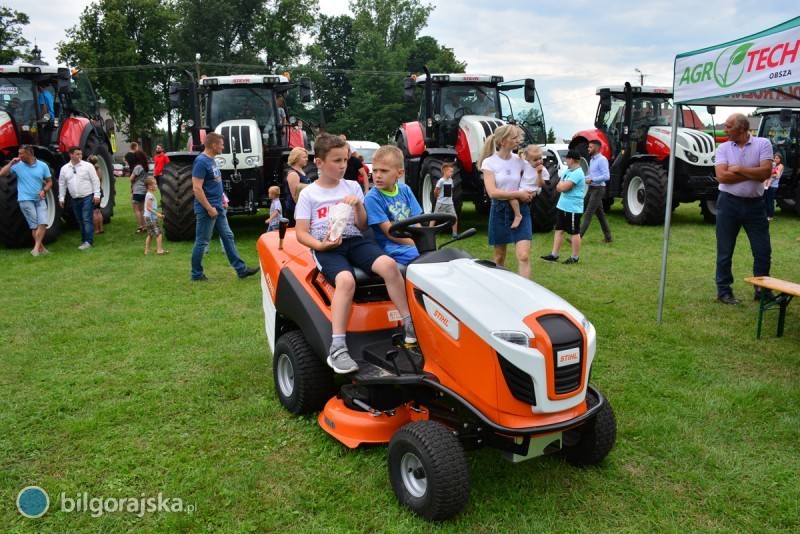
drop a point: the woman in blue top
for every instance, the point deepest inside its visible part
(298, 159)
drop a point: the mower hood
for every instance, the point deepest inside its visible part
(487, 299)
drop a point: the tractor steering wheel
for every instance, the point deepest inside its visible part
(424, 236)
(464, 111)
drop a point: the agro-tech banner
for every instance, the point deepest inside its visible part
(759, 70)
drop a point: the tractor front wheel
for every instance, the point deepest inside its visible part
(708, 208)
(108, 181)
(177, 198)
(14, 231)
(644, 194)
(428, 470)
(543, 207)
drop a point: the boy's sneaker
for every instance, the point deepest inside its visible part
(85, 245)
(411, 334)
(550, 257)
(341, 362)
(570, 261)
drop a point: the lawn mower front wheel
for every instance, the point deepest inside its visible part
(428, 470)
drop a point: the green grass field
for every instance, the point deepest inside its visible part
(121, 378)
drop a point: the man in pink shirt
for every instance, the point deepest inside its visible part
(743, 163)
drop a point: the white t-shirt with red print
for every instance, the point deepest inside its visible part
(315, 203)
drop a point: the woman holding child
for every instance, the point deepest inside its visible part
(502, 176)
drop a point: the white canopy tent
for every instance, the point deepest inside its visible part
(758, 70)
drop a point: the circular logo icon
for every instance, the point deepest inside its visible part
(33, 502)
(729, 66)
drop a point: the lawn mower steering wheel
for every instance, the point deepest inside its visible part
(463, 111)
(424, 236)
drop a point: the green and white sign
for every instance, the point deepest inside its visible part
(759, 70)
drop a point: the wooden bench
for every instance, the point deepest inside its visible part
(786, 291)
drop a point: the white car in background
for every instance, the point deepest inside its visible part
(366, 149)
(559, 152)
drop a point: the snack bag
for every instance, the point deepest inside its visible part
(338, 218)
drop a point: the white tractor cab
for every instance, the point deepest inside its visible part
(252, 113)
(73, 121)
(782, 128)
(457, 114)
(634, 125)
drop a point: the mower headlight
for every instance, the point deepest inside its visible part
(252, 161)
(691, 157)
(220, 161)
(510, 336)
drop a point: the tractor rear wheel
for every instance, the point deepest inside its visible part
(14, 231)
(596, 441)
(177, 198)
(709, 210)
(428, 470)
(303, 382)
(543, 207)
(108, 182)
(644, 194)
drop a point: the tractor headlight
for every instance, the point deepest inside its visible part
(510, 336)
(251, 161)
(691, 157)
(220, 161)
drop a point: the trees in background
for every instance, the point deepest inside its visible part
(12, 42)
(132, 49)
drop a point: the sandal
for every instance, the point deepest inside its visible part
(163, 252)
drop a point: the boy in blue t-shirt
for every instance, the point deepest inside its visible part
(569, 209)
(389, 202)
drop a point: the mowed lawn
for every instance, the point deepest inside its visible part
(120, 378)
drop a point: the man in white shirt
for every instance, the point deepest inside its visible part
(80, 179)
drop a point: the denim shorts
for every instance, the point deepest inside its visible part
(35, 212)
(138, 199)
(353, 251)
(500, 218)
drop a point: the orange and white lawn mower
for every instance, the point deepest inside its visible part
(500, 362)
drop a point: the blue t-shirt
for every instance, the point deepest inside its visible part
(30, 179)
(46, 98)
(382, 207)
(206, 168)
(572, 201)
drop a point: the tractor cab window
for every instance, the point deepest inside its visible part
(613, 120)
(783, 138)
(243, 102)
(82, 96)
(527, 115)
(652, 111)
(17, 99)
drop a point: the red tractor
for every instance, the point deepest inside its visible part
(457, 114)
(76, 122)
(633, 123)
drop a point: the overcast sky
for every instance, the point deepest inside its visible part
(570, 47)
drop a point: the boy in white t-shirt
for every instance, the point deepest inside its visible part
(443, 191)
(533, 177)
(151, 217)
(275, 210)
(336, 257)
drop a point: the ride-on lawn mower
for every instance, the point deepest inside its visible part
(500, 362)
